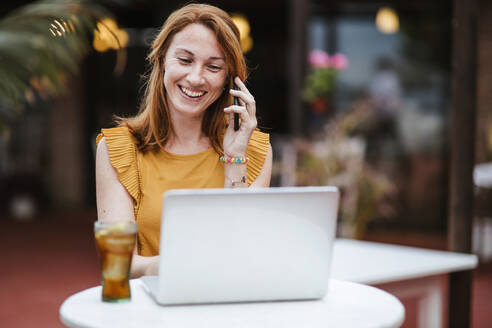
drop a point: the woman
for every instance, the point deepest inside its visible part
(183, 135)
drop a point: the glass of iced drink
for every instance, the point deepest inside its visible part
(115, 242)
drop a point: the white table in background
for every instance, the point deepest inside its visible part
(482, 225)
(346, 305)
(482, 175)
(402, 271)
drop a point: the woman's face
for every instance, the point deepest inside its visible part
(195, 71)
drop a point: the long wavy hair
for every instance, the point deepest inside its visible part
(152, 126)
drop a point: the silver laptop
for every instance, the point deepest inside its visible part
(241, 245)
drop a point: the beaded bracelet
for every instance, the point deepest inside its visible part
(234, 160)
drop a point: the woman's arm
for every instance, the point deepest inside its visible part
(236, 142)
(234, 172)
(114, 203)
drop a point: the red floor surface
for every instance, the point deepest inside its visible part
(46, 261)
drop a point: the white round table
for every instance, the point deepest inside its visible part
(345, 305)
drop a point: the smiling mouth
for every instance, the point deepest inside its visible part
(191, 93)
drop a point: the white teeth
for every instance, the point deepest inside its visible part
(192, 93)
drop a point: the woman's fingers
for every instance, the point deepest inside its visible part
(241, 110)
(246, 96)
(245, 99)
(242, 86)
(246, 118)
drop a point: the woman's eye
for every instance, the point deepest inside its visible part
(184, 60)
(214, 68)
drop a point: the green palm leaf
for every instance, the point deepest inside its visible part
(40, 44)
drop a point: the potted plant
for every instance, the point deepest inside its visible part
(336, 158)
(320, 81)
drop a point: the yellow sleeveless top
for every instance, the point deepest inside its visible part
(147, 176)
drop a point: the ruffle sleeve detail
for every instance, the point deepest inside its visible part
(257, 152)
(123, 157)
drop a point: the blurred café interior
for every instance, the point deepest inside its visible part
(360, 94)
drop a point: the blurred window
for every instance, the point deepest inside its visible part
(404, 77)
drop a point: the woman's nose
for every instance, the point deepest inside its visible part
(195, 75)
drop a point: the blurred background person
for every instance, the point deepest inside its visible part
(385, 97)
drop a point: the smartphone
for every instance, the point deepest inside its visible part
(236, 115)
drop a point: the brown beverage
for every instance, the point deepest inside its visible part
(115, 243)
